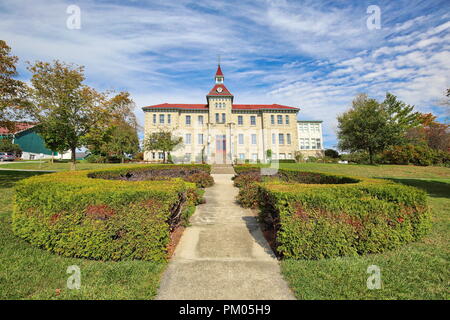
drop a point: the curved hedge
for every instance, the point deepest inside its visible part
(73, 214)
(318, 215)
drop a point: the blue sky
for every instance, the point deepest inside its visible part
(316, 55)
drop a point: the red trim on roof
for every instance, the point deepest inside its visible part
(219, 71)
(205, 106)
(177, 106)
(261, 106)
(20, 126)
(224, 92)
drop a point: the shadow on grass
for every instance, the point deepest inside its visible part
(437, 189)
(9, 178)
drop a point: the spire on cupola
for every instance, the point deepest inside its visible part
(219, 75)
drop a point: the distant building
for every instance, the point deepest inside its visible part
(220, 131)
(31, 143)
(310, 138)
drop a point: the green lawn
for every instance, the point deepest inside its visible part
(27, 272)
(57, 166)
(416, 271)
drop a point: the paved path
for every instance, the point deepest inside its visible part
(223, 254)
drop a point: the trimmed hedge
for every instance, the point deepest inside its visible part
(75, 215)
(317, 215)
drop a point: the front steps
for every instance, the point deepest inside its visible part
(222, 169)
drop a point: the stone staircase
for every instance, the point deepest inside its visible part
(222, 169)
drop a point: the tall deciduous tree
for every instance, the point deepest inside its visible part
(372, 126)
(68, 110)
(161, 141)
(12, 91)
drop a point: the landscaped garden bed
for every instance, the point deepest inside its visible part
(111, 214)
(315, 215)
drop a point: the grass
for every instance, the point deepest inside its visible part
(56, 166)
(418, 270)
(27, 272)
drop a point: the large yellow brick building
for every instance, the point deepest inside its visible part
(223, 132)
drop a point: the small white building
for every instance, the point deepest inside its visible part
(310, 138)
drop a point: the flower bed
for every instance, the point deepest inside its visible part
(82, 214)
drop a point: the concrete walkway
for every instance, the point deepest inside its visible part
(223, 254)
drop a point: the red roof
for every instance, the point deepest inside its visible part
(177, 106)
(224, 91)
(261, 107)
(219, 71)
(20, 126)
(235, 106)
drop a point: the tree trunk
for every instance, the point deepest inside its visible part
(164, 157)
(73, 159)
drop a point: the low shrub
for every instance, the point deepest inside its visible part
(201, 179)
(79, 214)
(283, 160)
(420, 155)
(317, 215)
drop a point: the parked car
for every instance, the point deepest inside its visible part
(7, 156)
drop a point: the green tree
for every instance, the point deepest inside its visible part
(372, 126)
(269, 154)
(331, 153)
(6, 145)
(68, 110)
(123, 140)
(162, 140)
(12, 92)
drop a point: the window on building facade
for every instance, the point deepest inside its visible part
(217, 118)
(272, 119)
(161, 118)
(242, 156)
(303, 143)
(318, 144)
(241, 138)
(280, 138)
(240, 120)
(169, 118)
(282, 156)
(253, 120)
(288, 138)
(307, 143)
(289, 156)
(287, 119)
(161, 155)
(253, 138)
(187, 139)
(187, 157)
(154, 118)
(223, 118)
(188, 120)
(279, 119)
(274, 138)
(200, 138)
(200, 120)
(255, 157)
(153, 155)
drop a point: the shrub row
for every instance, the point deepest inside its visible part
(336, 216)
(76, 215)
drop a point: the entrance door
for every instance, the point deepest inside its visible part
(221, 148)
